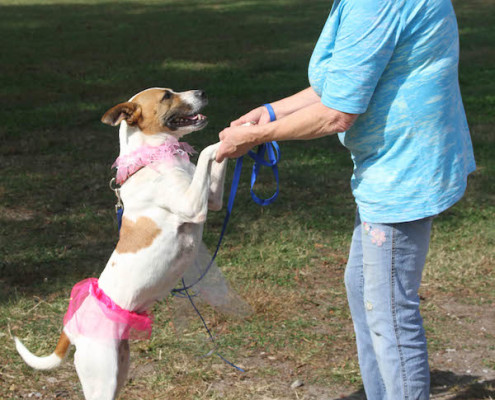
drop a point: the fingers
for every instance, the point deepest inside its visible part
(238, 122)
(226, 150)
(220, 156)
(244, 119)
(252, 117)
(235, 142)
(239, 138)
(227, 147)
(265, 118)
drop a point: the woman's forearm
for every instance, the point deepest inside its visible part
(288, 105)
(310, 122)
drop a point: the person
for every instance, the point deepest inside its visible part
(384, 76)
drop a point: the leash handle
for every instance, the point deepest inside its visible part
(272, 150)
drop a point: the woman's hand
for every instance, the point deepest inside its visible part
(258, 116)
(237, 141)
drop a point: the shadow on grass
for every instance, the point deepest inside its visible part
(447, 383)
(465, 387)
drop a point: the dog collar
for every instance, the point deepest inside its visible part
(129, 164)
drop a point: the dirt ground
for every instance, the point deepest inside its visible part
(462, 372)
(466, 371)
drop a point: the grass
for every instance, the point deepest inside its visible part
(65, 62)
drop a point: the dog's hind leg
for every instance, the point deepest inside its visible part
(123, 364)
(97, 365)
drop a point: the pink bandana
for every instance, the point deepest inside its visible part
(129, 164)
(93, 314)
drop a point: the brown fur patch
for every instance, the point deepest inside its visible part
(138, 235)
(155, 109)
(123, 111)
(62, 345)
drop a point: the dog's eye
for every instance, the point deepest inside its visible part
(167, 95)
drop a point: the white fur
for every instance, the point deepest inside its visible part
(43, 363)
(176, 199)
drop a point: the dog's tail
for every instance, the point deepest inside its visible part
(48, 362)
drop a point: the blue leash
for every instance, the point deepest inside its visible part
(270, 150)
(273, 151)
(208, 330)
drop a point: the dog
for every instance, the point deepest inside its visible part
(166, 204)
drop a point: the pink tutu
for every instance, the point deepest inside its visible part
(93, 314)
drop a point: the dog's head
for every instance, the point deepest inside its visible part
(160, 110)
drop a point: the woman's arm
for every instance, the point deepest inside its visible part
(311, 122)
(282, 107)
(295, 102)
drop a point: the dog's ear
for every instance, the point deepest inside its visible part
(130, 112)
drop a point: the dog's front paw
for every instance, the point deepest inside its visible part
(211, 151)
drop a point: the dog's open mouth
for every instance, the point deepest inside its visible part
(181, 121)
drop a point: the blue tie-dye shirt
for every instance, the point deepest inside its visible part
(395, 63)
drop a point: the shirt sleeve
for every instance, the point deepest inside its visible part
(365, 42)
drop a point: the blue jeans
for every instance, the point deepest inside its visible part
(382, 279)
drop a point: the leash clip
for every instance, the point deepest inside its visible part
(119, 206)
(113, 187)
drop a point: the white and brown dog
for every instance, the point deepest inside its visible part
(166, 204)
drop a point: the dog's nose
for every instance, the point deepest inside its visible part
(201, 94)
